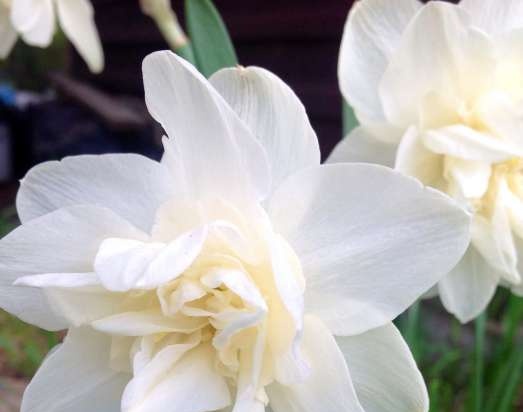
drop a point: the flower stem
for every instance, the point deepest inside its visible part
(479, 362)
(167, 22)
(411, 329)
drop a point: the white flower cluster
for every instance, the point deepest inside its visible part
(35, 22)
(438, 90)
(239, 274)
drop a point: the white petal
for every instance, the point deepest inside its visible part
(191, 386)
(34, 20)
(43, 246)
(83, 305)
(465, 143)
(383, 371)
(76, 377)
(8, 34)
(125, 264)
(494, 239)
(517, 288)
(288, 278)
(236, 281)
(437, 53)
(77, 21)
(361, 146)
(146, 323)
(370, 240)
(495, 16)
(220, 156)
(59, 280)
(275, 116)
(132, 186)
(372, 33)
(414, 159)
(471, 176)
(469, 287)
(329, 387)
(498, 111)
(153, 373)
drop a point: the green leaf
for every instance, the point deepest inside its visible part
(211, 43)
(479, 362)
(349, 118)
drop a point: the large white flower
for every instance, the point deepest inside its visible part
(34, 21)
(218, 278)
(438, 90)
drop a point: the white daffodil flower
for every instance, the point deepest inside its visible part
(236, 273)
(8, 34)
(438, 91)
(34, 21)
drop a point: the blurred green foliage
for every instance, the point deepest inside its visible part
(444, 350)
(27, 66)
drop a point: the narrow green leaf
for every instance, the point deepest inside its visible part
(479, 362)
(349, 118)
(512, 382)
(211, 43)
(187, 53)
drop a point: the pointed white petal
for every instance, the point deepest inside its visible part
(361, 146)
(152, 374)
(34, 20)
(76, 377)
(372, 33)
(370, 240)
(469, 287)
(495, 16)
(328, 388)
(43, 246)
(125, 264)
(383, 371)
(77, 21)
(220, 156)
(471, 176)
(192, 385)
(133, 186)
(288, 278)
(59, 280)
(275, 116)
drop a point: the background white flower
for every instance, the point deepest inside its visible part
(218, 278)
(438, 91)
(34, 21)
(8, 33)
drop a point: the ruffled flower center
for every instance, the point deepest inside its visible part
(215, 287)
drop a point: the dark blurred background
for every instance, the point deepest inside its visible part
(51, 106)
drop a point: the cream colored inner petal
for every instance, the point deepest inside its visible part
(235, 287)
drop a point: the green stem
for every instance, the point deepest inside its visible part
(479, 362)
(411, 329)
(513, 381)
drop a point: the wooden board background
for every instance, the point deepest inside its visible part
(296, 39)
